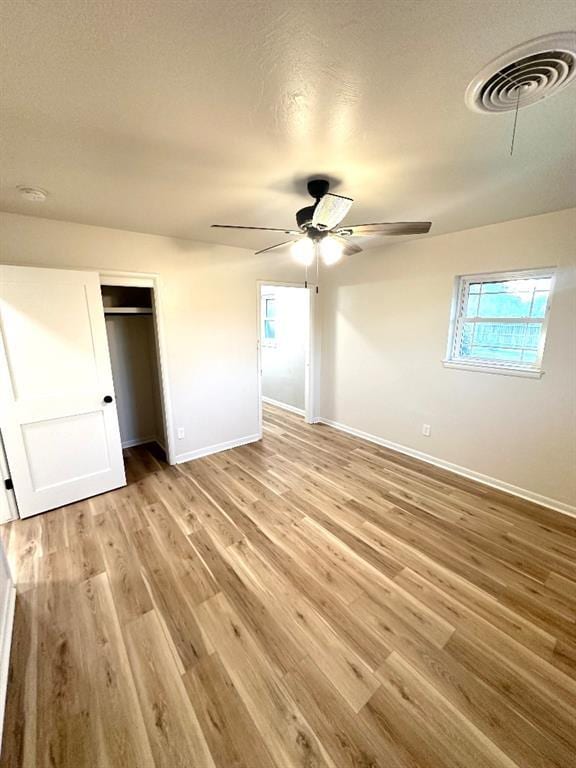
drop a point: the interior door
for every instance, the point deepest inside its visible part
(58, 413)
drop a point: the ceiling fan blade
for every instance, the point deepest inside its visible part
(348, 248)
(278, 245)
(260, 229)
(387, 228)
(330, 210)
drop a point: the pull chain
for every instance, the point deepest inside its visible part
(519, 86)
(317, 269)
(515, 122)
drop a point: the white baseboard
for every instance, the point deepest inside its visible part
(285, 406)
(139, 441)
(492, 482)
(6, 626)
(198, 454)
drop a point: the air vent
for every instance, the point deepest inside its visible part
(525, 75)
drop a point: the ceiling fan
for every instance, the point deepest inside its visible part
(319, 233)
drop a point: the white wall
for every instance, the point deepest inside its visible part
(209, 312)
(283, 362)
(385, 329)
(385, 326)
(134, 370)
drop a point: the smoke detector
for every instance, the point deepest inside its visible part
(33, 194)
(525, 74)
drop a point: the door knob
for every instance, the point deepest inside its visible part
(108, 398)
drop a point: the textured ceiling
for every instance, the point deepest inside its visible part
(165, 116)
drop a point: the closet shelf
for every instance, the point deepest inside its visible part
(127, 310)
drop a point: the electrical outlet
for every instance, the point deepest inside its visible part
(180, 433)
(426, 430)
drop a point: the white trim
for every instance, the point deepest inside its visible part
(509, 274)
(139, 441)
(492, 482)
(128, 279)
(200, 452)
(507, 370)
(8, 506)
(6, 626)
(5, 646)
(285, 406)
(151, 280)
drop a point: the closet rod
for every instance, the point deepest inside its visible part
(127, 310)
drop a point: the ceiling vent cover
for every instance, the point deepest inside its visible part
(524, 75)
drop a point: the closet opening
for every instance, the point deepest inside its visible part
(132, 331)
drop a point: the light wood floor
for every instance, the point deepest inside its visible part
(310, 600)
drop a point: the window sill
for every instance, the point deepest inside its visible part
(507, 370)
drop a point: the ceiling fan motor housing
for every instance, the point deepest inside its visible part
(304, 216)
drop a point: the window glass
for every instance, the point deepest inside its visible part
(269, 320)
(269, 330)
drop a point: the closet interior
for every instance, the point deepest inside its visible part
(131, 331)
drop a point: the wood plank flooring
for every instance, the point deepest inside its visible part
(311, 600)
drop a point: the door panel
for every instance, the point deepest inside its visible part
(57, 449)
(62, 441)
(45, 330)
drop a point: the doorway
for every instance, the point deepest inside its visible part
(286, 348)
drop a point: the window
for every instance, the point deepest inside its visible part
(269, 320)
(499, 322)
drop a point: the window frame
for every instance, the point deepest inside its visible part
(265, 318)
(457, 320)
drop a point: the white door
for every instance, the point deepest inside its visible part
(8, 509)
(57, 414)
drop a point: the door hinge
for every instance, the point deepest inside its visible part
(8, 484)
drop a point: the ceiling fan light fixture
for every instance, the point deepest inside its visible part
(303, 251)
(330, 251)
